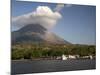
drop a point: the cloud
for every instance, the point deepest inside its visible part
(68, 5)
(43, 15)
(59, 7)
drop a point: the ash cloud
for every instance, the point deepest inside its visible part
(43, 15)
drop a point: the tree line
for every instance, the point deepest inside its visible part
(34, 51)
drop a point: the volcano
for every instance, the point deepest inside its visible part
(35, 33)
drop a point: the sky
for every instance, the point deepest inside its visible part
(77, 25)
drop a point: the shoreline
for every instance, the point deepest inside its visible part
(51, 59)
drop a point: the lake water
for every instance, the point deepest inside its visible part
(40, 66)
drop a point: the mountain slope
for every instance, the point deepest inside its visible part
(36, 34)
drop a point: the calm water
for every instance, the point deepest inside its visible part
(38, 66)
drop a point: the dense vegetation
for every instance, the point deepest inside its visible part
(34, 51)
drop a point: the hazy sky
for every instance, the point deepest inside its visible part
(77, 25)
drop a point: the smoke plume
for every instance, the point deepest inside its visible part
(43, 15)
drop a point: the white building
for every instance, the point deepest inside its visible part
(64, 57)
(88, 57)
(91, 57)
(71, 56)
